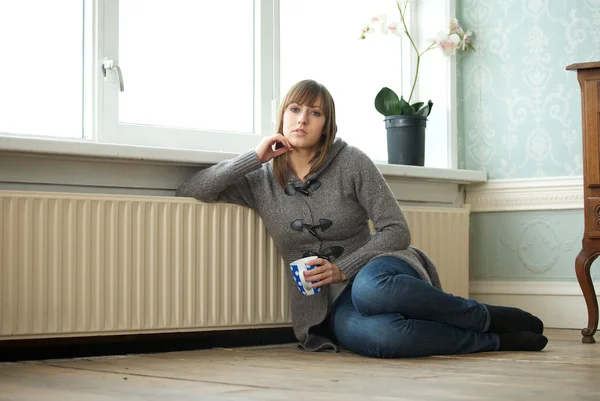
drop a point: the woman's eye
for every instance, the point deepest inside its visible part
(316, 113)
(294, 109)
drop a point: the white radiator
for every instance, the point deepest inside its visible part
(443, 234)
(87, 264)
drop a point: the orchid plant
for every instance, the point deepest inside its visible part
(386, 101)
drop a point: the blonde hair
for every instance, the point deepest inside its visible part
(306, 93)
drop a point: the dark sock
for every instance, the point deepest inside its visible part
(522, 341)
(505, 319)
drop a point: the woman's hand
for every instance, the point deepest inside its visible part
(266, 151)
(326, 273)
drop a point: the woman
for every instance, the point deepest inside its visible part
(380, 296)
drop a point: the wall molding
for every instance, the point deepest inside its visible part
(548, 193)
(560, 304)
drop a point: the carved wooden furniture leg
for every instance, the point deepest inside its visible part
(582, 268)
(588, 76)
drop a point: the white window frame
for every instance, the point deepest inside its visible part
(417, 21)
(452, 98)
(101, 95)
(110, 130)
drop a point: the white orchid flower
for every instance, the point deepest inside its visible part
(465, 39)
(379, 23)
(454, 26)
(394, 28)
(448, 43)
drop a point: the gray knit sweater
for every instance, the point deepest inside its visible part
(332, 208)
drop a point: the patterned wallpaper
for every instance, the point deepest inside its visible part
(519, 117)
(519, 110)
(532, 246)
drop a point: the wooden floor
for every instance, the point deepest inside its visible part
(565, 370)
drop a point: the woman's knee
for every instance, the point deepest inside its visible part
(365, 292)
(379, 281)
(368, 288)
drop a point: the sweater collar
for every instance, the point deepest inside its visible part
(335, 148)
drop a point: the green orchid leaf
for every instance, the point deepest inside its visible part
(424, 110)
(417, 106)
(387, 102)
(430, 104)
(405, 108)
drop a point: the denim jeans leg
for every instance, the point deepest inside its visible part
(392, 335)
(391, 285)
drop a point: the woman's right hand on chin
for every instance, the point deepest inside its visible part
(268, 148)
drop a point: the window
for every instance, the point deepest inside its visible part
(209, 75)
(43, 67)
(195, 74)
(320, 40)
(175, 73)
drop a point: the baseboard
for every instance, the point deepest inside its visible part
(83, 347)
(559, 304)
(553, 193)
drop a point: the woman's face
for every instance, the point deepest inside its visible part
(303, 124)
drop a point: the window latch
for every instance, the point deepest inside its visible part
(109, 65)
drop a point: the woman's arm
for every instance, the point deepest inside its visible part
(228, 180)
(223, 182)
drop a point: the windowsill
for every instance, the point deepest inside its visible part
(147, 154)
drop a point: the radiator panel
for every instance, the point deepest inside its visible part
(86, 264)
(443, 234)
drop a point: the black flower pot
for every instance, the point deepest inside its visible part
(406, 139)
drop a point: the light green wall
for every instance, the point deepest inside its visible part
(519, 110)
(532, 246)
(520, 117)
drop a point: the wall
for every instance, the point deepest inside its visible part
(520, 118)
(520, 113)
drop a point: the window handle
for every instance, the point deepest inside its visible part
(109, 65)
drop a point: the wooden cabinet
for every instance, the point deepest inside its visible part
(588, 75)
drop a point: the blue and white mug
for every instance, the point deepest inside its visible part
(298, 268)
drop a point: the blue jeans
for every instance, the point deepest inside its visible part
(388, 311)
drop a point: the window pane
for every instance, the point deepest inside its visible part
(41, 72)
(187, 64)
(434, 84)
(320, 40)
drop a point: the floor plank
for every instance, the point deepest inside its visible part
(565, 370)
